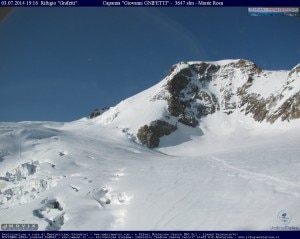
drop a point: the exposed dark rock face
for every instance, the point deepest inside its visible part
(187, 100)
(149, 135)
(98, 112)
(179, 82)
(255, 105)
(195, 90)
(262, 108)
(175, 106)
(188, 121)
(248, 66)
(289, 110)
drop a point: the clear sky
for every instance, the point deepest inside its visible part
(59, 64)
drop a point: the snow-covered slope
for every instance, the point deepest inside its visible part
(194, 90)
(83, 176)
(220, 164)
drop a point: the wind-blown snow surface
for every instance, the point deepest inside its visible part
(87, 176)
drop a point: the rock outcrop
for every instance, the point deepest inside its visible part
(193, 90)
(149, 134)
(98, 112)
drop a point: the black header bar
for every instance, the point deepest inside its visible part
(134, 3)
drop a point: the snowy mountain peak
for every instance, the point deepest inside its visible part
(193, 90)
(295, 70)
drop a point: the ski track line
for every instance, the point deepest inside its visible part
(165, 214)
(257, 176)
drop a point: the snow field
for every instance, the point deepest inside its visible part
(97, 179)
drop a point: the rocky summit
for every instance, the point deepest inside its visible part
(198, 89)
(194, 90)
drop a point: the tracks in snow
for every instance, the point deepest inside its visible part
(280, 185)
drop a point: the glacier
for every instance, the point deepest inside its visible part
(228, 172)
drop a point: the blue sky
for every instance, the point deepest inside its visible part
(59, 64)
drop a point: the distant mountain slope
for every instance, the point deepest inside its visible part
(194, 90)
